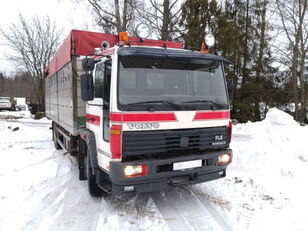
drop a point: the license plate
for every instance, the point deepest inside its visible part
(187, 164)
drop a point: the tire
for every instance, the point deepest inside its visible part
(57, 145)
(93, 188)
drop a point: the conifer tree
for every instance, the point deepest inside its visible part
(262, 56)
(194, 21)
(1, 84)
(238, 39)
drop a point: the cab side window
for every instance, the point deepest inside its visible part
(99, 80)
(107, 81)
(106, 100)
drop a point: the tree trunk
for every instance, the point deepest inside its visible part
(303, 52)
(294, 77)
(124, 24)
(302, 6)
(306, 102)
(302, 82)
(118, 17)
(260, 59)
(246, 45)
(42, 94)
(164, 30)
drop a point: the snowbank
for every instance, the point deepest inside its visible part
(264, 188)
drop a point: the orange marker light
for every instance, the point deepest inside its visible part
(204, 48)
(115, 141)
(115, 131)
(123, 37)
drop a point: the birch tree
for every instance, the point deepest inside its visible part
(115, 15)
(294, 18)
(33, 43)
(163, 16)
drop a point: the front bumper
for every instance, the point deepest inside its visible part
(5, 107)
(160, 174)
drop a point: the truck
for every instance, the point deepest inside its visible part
(33, 104)
(6, 103)
(137, 114)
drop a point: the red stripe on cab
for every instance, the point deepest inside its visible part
(142, 117)
(115, 142)
(115, 117)
(211, 115)
(93, 119)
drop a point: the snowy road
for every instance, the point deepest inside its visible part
(40, 189)
(49, 196)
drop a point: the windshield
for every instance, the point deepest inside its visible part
(4, 99)
(170, 84)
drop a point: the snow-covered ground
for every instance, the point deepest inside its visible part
(265, 189)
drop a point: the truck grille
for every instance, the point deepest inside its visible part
(148, 144)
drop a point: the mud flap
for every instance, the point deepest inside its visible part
(91, 144)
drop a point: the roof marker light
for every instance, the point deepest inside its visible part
(123, 37)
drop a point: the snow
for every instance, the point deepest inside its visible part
(264, 188)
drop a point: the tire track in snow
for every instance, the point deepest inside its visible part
(38, 192)
(221, 220)
(51, 202)
(182, 210)
(133, 212)
(25, 142)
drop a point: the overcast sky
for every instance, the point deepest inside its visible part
(66, 13)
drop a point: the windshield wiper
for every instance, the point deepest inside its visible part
(218, 105)
(166, 102)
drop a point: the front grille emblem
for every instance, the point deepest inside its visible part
(219, 137)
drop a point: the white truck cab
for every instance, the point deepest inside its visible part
(5, 103)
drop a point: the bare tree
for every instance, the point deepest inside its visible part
(115, 15)
(34, 43)
(294, 17)
(163, 16)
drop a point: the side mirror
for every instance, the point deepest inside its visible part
(88, 64)
(230, 86)
(87, 89)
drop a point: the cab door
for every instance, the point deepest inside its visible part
(98, 111)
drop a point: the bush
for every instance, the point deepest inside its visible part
(39, 115)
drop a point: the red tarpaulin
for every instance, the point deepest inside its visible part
(84, 43)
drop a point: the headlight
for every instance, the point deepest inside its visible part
(135, 170)
(224, 159)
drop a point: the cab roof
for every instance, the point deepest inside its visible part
(149, 52)
(83, 43)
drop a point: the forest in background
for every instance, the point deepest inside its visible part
(20, 85)
(267, 41)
